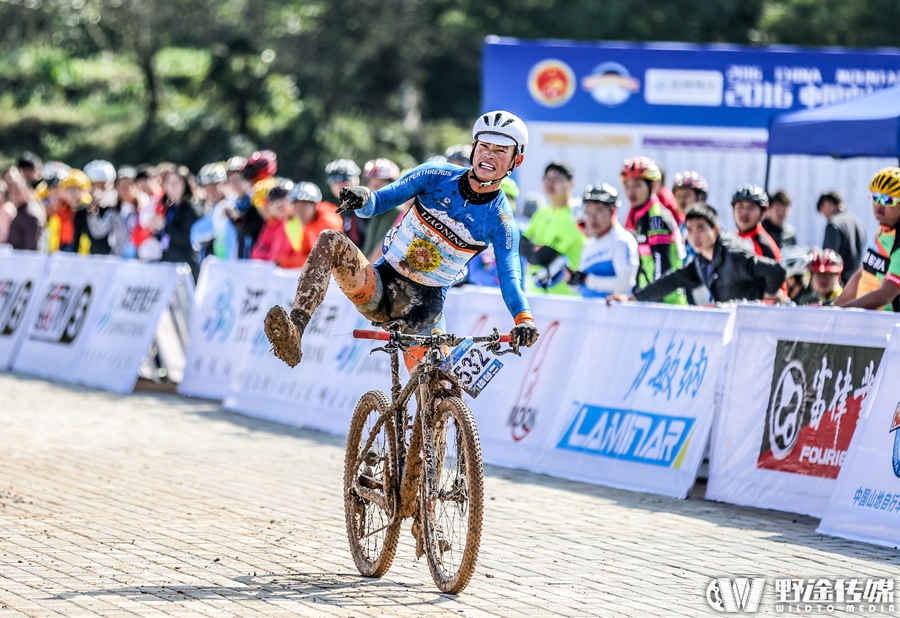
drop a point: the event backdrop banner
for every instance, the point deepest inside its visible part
(517, 410)
(637, 407)
(796, 382)
(865, 503)
(21, 273)
(228, 309)
(68, 299)
(336, 369)
(120, 335)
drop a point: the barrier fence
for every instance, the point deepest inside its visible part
(793, 403)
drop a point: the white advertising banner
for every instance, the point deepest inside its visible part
(336, 369)
(21, 273)
(228, 309)
(73, 291)
(795, 384)
(865, 503)
(121, 334)
(636, 408)
(516, 412)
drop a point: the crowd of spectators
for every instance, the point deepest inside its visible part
(669, 246)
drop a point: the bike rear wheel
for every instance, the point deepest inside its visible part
(370, 485)
(452, 496)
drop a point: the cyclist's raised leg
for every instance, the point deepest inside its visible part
(333, 254)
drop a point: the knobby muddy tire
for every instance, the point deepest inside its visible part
(373, 550)
(453, 431)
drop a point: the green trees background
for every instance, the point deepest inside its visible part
(199, 80)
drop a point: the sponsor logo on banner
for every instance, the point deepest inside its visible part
(678, 374)
(523, 415)
(551, 83)
(354, 357)
(62, 313)
(641, 437)
(895, 455)
(815, 399)
(683, 87)
(14, 297)
(741, 594)
(218, 325)
(610, 84)
(134, 300)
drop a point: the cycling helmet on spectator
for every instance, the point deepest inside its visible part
(261, 165)
(751, 193)
(100, 171)
(236, 164)
(305, 192)
(259, 194)
(282, 188)
(459, 155)
(795, 261)
(341, 169)
(213, 173)
(886, 182)
(602, 193)
(643, 168)
(826, 261)
(54, 172)
(509, 187)
(502, 128)
(126, 172)
(382, 169)
(692, 180)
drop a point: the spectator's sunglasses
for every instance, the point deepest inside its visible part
(889, 201)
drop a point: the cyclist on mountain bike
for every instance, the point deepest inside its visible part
(457, 213)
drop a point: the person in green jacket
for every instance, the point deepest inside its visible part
(553, 240)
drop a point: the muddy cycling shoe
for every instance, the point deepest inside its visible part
(284, 333)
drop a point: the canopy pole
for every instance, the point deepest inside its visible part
(768, 163)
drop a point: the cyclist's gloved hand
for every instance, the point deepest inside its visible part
(353, 198)
(575, 277)
(524, 334)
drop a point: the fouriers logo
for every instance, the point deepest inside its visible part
(895, 425)
(610, 84)
(551, 83)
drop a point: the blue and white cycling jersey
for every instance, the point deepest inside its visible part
(443, 230)
(610, 263)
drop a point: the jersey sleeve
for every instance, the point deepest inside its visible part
(625, 265)
(504, 236)
(398, 192)
(893, 271)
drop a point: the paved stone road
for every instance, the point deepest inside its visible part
(157, 505)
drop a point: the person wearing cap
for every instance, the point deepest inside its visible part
(553, 241)
(795, 261)
(749, 205)
(825, 266)
(282, 236)
(69, 233)
(379, 173)
(723, 263)
(609, 259)
(457, 213)
(105, 226)
(315, 215)
(343, 174)
(30, 166)
(214, 233)
(248, 222)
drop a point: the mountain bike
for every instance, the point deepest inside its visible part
(425, 465)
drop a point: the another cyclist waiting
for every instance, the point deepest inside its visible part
(723, 264)
(826, 267)
(876, 285)
(457, 213)
(749, 205)
(660, 243)
(609, 259)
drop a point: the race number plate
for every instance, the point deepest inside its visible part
(471, 366)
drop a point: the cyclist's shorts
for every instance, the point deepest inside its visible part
(398, 298)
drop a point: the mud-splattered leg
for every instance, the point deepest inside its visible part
(333, 254)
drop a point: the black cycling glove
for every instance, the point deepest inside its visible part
(524, 334)
(353, 198)
(576, 277)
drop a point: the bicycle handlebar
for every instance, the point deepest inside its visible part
(443, 338)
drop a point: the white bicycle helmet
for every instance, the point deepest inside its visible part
(305, 192)
(213, 173)
(795, 260)
(100, 171)
(502, 128)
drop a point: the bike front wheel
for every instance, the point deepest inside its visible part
(452, 496)
(370, 485)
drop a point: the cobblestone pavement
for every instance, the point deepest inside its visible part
(158, 505)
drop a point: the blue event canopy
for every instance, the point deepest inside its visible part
(864, 127)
